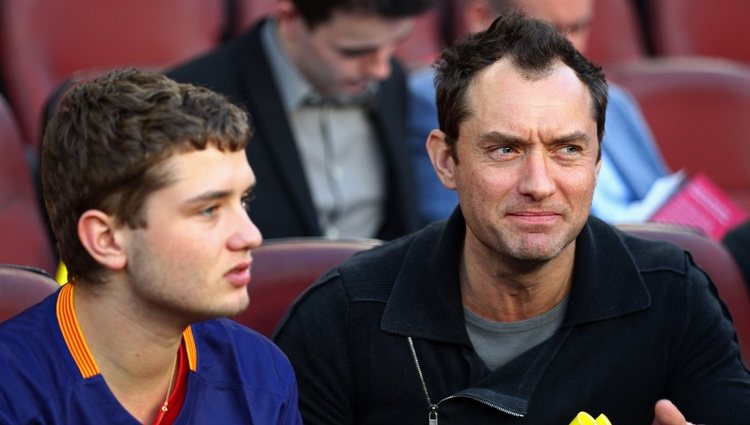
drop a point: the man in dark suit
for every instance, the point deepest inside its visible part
(328, 104)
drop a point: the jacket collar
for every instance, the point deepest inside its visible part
(426, 300)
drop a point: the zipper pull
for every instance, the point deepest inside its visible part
(432, 417)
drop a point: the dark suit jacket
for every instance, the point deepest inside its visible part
(283, 205)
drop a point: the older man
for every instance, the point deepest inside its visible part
(521, 308)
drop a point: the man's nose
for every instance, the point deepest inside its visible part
(536, 180)
(379, 64)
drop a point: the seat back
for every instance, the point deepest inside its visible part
(717, 262)
(247, 12)
(283, 268)
(424, 43)
(702, 28)
(42, 42)
(694, 106)
(616, 34)
(24, 237)
(21, 287)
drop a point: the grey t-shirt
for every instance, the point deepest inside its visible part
(497, 343)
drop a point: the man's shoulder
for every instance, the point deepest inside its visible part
(653, 255)
(421, 83)
(619, 98)
(370, 275)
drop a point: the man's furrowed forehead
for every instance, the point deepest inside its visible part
(503, 94)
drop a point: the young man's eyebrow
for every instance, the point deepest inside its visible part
(214, 195)
(209, 196)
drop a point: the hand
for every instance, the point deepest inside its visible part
(667, 413)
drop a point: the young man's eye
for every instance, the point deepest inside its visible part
(246, 200)
(210, 211)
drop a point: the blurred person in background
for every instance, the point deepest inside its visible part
(329, 105)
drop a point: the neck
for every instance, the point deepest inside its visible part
(138, 363)
(502, 290)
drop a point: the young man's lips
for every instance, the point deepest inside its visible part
(239, 275)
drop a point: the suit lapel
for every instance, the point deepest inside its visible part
(388, 114)
(271, 126)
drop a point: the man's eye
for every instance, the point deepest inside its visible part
(504, 150)
(570, 149)
(354, 53)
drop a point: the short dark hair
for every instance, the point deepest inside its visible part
(104, 147)
(533, 47)
(314, 12)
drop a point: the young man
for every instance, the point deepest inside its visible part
(631, 161)
(146, 183)
(521, 308)
(329, 106)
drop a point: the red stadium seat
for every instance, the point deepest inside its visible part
(717, 262)
(423, 45)
(698, 110)
(247, 12)
(21, 287)
(616, 35)
(24, 236)
(716, 28)
(283, 268)
(42, 42)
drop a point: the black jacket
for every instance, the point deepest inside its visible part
(283, 205)
(642, 323)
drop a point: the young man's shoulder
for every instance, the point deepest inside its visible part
(29, 329)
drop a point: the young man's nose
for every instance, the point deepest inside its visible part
(246, 234)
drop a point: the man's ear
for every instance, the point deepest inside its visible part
(478, 15)
(441, 158)
(285, 10)
(101, 235)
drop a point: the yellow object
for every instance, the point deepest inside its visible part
(583, 418)
(62, 274)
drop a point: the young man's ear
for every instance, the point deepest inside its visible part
(441, 158)
(99, 234)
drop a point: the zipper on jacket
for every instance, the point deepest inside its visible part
(432, 416)
(485, 402)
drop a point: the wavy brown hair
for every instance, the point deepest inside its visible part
(104, 147)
